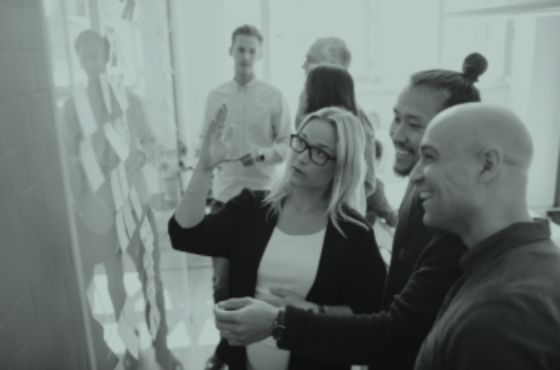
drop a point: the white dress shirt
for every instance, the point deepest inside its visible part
(262, 122)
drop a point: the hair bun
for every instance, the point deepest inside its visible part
(473, 66)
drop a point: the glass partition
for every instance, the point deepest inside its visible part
(114, 98)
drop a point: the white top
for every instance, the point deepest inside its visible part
(262, 121)
(289, 262)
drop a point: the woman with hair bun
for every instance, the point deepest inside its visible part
(424, 262)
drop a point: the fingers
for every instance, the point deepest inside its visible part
(273, 302)
(221, 326)
(236, 303)
(217, 122)
(281, 292)
(226, 135)
(221, 115)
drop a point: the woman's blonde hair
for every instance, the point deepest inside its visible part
(345, 189)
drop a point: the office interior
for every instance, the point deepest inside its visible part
(88, 278)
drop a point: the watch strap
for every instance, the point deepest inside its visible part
(279, 325)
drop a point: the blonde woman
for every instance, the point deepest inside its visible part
(301, 244)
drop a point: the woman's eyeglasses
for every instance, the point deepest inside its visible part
(317, 155)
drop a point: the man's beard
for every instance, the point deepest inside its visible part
(402, 172)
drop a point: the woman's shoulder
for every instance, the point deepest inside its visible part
(355, 225)
(250, 198)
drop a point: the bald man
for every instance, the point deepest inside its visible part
(504, 313)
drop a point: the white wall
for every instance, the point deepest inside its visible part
(535, 96)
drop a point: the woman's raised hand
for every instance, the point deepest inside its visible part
(217, 142)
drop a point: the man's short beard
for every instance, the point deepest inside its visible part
(402, 172)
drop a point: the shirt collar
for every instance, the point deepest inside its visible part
(513, 236)
(247, 87)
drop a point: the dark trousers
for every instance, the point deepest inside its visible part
(220, 284)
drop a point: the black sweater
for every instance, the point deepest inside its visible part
(351, 271)
(424, 265)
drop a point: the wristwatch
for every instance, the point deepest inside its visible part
(260, 156)
(279, 325)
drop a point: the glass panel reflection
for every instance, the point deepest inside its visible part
(113, 89)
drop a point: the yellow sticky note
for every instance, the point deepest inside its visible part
(119, 91)
(91, 165)
(115, 141)
(125, 189)
(121, 231)
(135, 202)
(104, 82)
(155, 318)
(116, 189)
(84, 112)
(126, 332)
(128, 219)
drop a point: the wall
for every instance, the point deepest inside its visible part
(40, 313)
(535, 95)
(202, 65)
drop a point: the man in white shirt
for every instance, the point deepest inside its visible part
(260, 139)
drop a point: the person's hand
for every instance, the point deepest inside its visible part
(287, 297)
(392, 218)
(243, 321)
(216, 143)
(250, 159)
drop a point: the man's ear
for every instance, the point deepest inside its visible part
(231, 50)
(490, 161)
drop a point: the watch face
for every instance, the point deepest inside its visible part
(277, 331)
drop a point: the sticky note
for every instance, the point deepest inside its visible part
(128, 219)
(116, 189)
(83, 110)
(116, 142)
(104, 82)
(145, 229)
(155, 318)
(148, 261)
(125, 189)
(151, 291)
(121, 128)
(91, 166)
(119, 91)
(126, 332)
(135, 202)
(148, 244)
(121, 231)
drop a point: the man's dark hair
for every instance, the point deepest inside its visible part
(329, 85)
(248, 30)
(457, 87)
(88, 36)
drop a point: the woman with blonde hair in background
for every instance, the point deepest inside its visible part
(302, 244)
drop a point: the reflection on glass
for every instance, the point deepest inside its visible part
(109, 92)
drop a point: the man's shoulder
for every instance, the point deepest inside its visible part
(269, 87)
(222, 88)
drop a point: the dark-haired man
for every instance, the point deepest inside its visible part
(424, 262)
(261, 118)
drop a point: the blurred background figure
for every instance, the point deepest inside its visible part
(261, 120)
(96, 210)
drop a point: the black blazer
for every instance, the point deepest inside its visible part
(351, 271)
